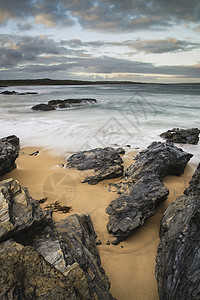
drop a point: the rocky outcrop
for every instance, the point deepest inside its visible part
(25, 274)
(67, 103)
(178, 263)
(79, 245)
(46, 261)
(144, 188)
(43, 107)
(182, 136)
(106, 163)
(17, 93)
(9, 151)
(18, 211)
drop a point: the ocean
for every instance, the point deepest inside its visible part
(124, 115)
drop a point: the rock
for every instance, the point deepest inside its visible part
(17, 93)
(9, 93)
(26, 275)
(18, 211)
(67, 103)
(144, 189)
(79, 245)
(182, 136)
(45, 260)
(9, 151)
(71, 102)
(43, 107)
(106, 163)
(178, 261)
(98, 243)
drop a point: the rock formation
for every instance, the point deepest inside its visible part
(9, 151)
(67, 103)
(106, 163)
(178, 261)
(41, 260)
(17, 93)
(144, 187)
(182, 136)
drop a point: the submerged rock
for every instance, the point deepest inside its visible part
(182, 136)
(106, 163)
(17, 93)
(43, 107)
(178, 256)
(144, 187)
(9, 151)
(67, 103)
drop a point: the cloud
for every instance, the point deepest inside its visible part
(145, 46)
(161, 45)
(104, 15)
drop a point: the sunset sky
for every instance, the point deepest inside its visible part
(136, 40)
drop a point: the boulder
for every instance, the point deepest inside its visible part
(182, 136)
(9, 151)
(106, 163)
(144, 188)
(178, 261)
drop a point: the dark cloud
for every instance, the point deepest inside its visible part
(104, 15)
(17, 50)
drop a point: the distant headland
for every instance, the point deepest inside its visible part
(48, 81)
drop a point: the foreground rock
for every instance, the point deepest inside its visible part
(78, 236)
(178, 262)
(9, 151)
(67, 103)
(106, 163)
(144, 187)
(182, 136)
(40, 260)
(25, 274)
(18, 211)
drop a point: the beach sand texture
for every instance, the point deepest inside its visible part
(130, 265)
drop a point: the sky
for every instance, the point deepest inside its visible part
(131, 40)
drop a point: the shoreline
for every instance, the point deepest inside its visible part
(130, 265)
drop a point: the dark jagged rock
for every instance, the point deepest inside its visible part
(66, 256)
(9, 151)
(18, 211)
(79, 245)
(106, 163)
(182, 136)
(17, 93)
(178, 260)
(144, 189)
(26, 275)
(43, 107)
(67, 103)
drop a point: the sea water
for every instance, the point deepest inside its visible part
(124, 114)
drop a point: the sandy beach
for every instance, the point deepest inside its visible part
(130, 265)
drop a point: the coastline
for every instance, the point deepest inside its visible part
(130, 265)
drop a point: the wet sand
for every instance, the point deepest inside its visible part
(130, 265)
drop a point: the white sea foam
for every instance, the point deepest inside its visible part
(124, 114)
